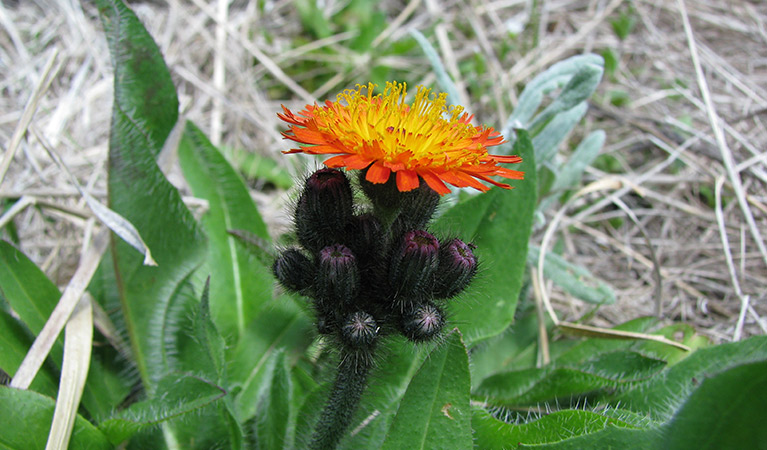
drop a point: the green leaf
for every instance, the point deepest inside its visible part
(491, 433)
(14, 345)
(589, 348)
(274, 419)
(658, 396)
(210, 345)
(567, 384)
(282, 325)
(499, 222)
(548, 138)
(569, 174)
(725, 411)
(515, 348)
(577, 90)
(181, 394)
(554, 77)
(445, 82)
(27, 418)
(144, 112)
(435, 412)
(26, 288)
(728, 406)
(239, 283)
(262, 168)
(575, 280)
(609, 438)
(33, 297)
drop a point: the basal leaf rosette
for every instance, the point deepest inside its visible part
(383, 134)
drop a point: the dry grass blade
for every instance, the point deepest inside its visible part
(47, 77)
(60, 315)
(78, 340)
(114, 221)
(587, 330)
(714, 120)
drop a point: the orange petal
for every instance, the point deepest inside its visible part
(348, 161)
(491, 181)
(507, 159)
(378, 174)
(435, 183)
(511, 174)
(407, 180)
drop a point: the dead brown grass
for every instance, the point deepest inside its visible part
(713, 271)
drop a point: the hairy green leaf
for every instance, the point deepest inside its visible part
(144, 112)
(499, 224)
(658, 396)
(491, 433)
(239, 283)
(435, 412)
(27, 418)
(274, 419)
(181, 394)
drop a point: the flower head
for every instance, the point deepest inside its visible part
(426, 139)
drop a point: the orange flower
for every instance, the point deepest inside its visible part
(425, 139)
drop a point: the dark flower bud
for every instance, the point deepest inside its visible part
(423, 322)
(359, 330)
(457, 266)
(324, 324)
(294, 270)
(417, 208)
(413, 263)
(338, 278)
(383, 195)
(365, 236)
(324, 208)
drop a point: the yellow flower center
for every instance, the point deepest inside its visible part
(425, 133)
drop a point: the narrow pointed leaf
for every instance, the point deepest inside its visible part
(239, 283)
(144, 112)
(274, 418)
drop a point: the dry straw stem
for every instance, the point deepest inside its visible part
(78, 339)
(713, 117)
(46, 78)
(61, 313)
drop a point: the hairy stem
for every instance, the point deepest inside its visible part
(347, 390)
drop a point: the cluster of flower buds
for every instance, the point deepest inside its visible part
(372, 273)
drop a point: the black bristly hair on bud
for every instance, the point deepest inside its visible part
(423, 322)
(412, 265)
(294, 270)
(359, 330)
(457, 267)
(338, 278)
(366, 237)
(418, 207)
(323, 209)
(383, 195)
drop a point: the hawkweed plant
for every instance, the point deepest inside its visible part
(371, 272)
